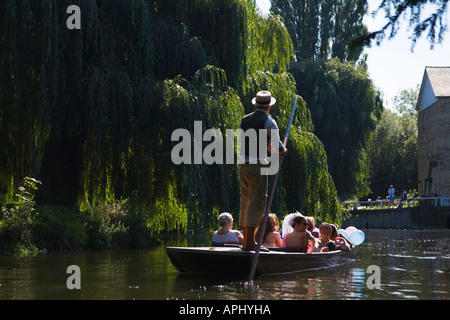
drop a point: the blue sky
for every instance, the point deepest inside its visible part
(392, 65)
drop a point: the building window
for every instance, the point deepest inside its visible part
(429, 149)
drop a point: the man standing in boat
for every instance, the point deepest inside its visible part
(252, 161)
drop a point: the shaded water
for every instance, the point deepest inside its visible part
(413, 265)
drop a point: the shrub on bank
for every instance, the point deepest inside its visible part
(59, 229)
(26, 228)
(16, 221)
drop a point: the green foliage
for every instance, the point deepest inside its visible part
(104, 225)
(272, 49)
(17, 220)
(322, 29)
(91, 113)
(113, 225)
(393, 148)
(344, 109)
(309, 186)
(25, 229)
(338, 92)
(60, 229)
(406, 100)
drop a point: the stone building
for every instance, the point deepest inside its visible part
(433, 106)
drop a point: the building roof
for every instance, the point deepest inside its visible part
(440, 80)
(435, 84)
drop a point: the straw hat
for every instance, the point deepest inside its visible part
(263, 99)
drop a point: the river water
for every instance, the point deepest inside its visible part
(411, 265)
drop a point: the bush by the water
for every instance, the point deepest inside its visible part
(26, 228)
(16, 220)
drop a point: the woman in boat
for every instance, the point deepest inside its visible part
(341, 242)
(226, 234)
(272, 238)
(300, 237)
(325, 243)
(312, 227)
(287, 223)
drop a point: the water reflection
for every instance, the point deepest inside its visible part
(334, 284)
(413, 264)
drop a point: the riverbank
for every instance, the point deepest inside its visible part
(26, 229)
(400, 218)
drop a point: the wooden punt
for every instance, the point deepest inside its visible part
(237, 261)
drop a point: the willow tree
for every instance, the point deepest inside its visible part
(345, 108)
(91, 112)
(323, 29)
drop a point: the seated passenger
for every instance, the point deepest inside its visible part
(300, 237)
(333, 232)
(325, 243)
(226, 234)
(272, 238)
(341, 242)
(312, 227)
(287, 222)
(342, 245)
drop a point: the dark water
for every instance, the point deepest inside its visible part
(412, 265)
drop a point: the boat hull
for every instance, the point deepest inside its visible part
(238, 261)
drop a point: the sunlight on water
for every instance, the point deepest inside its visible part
(413, 265)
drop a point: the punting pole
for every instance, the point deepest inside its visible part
(269, 200)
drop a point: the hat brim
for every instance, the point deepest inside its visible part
(265, 105)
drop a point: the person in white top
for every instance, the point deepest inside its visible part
(226, 234)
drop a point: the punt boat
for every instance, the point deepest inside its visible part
(232, 259)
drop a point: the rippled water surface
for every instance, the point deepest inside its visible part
(412, 265)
